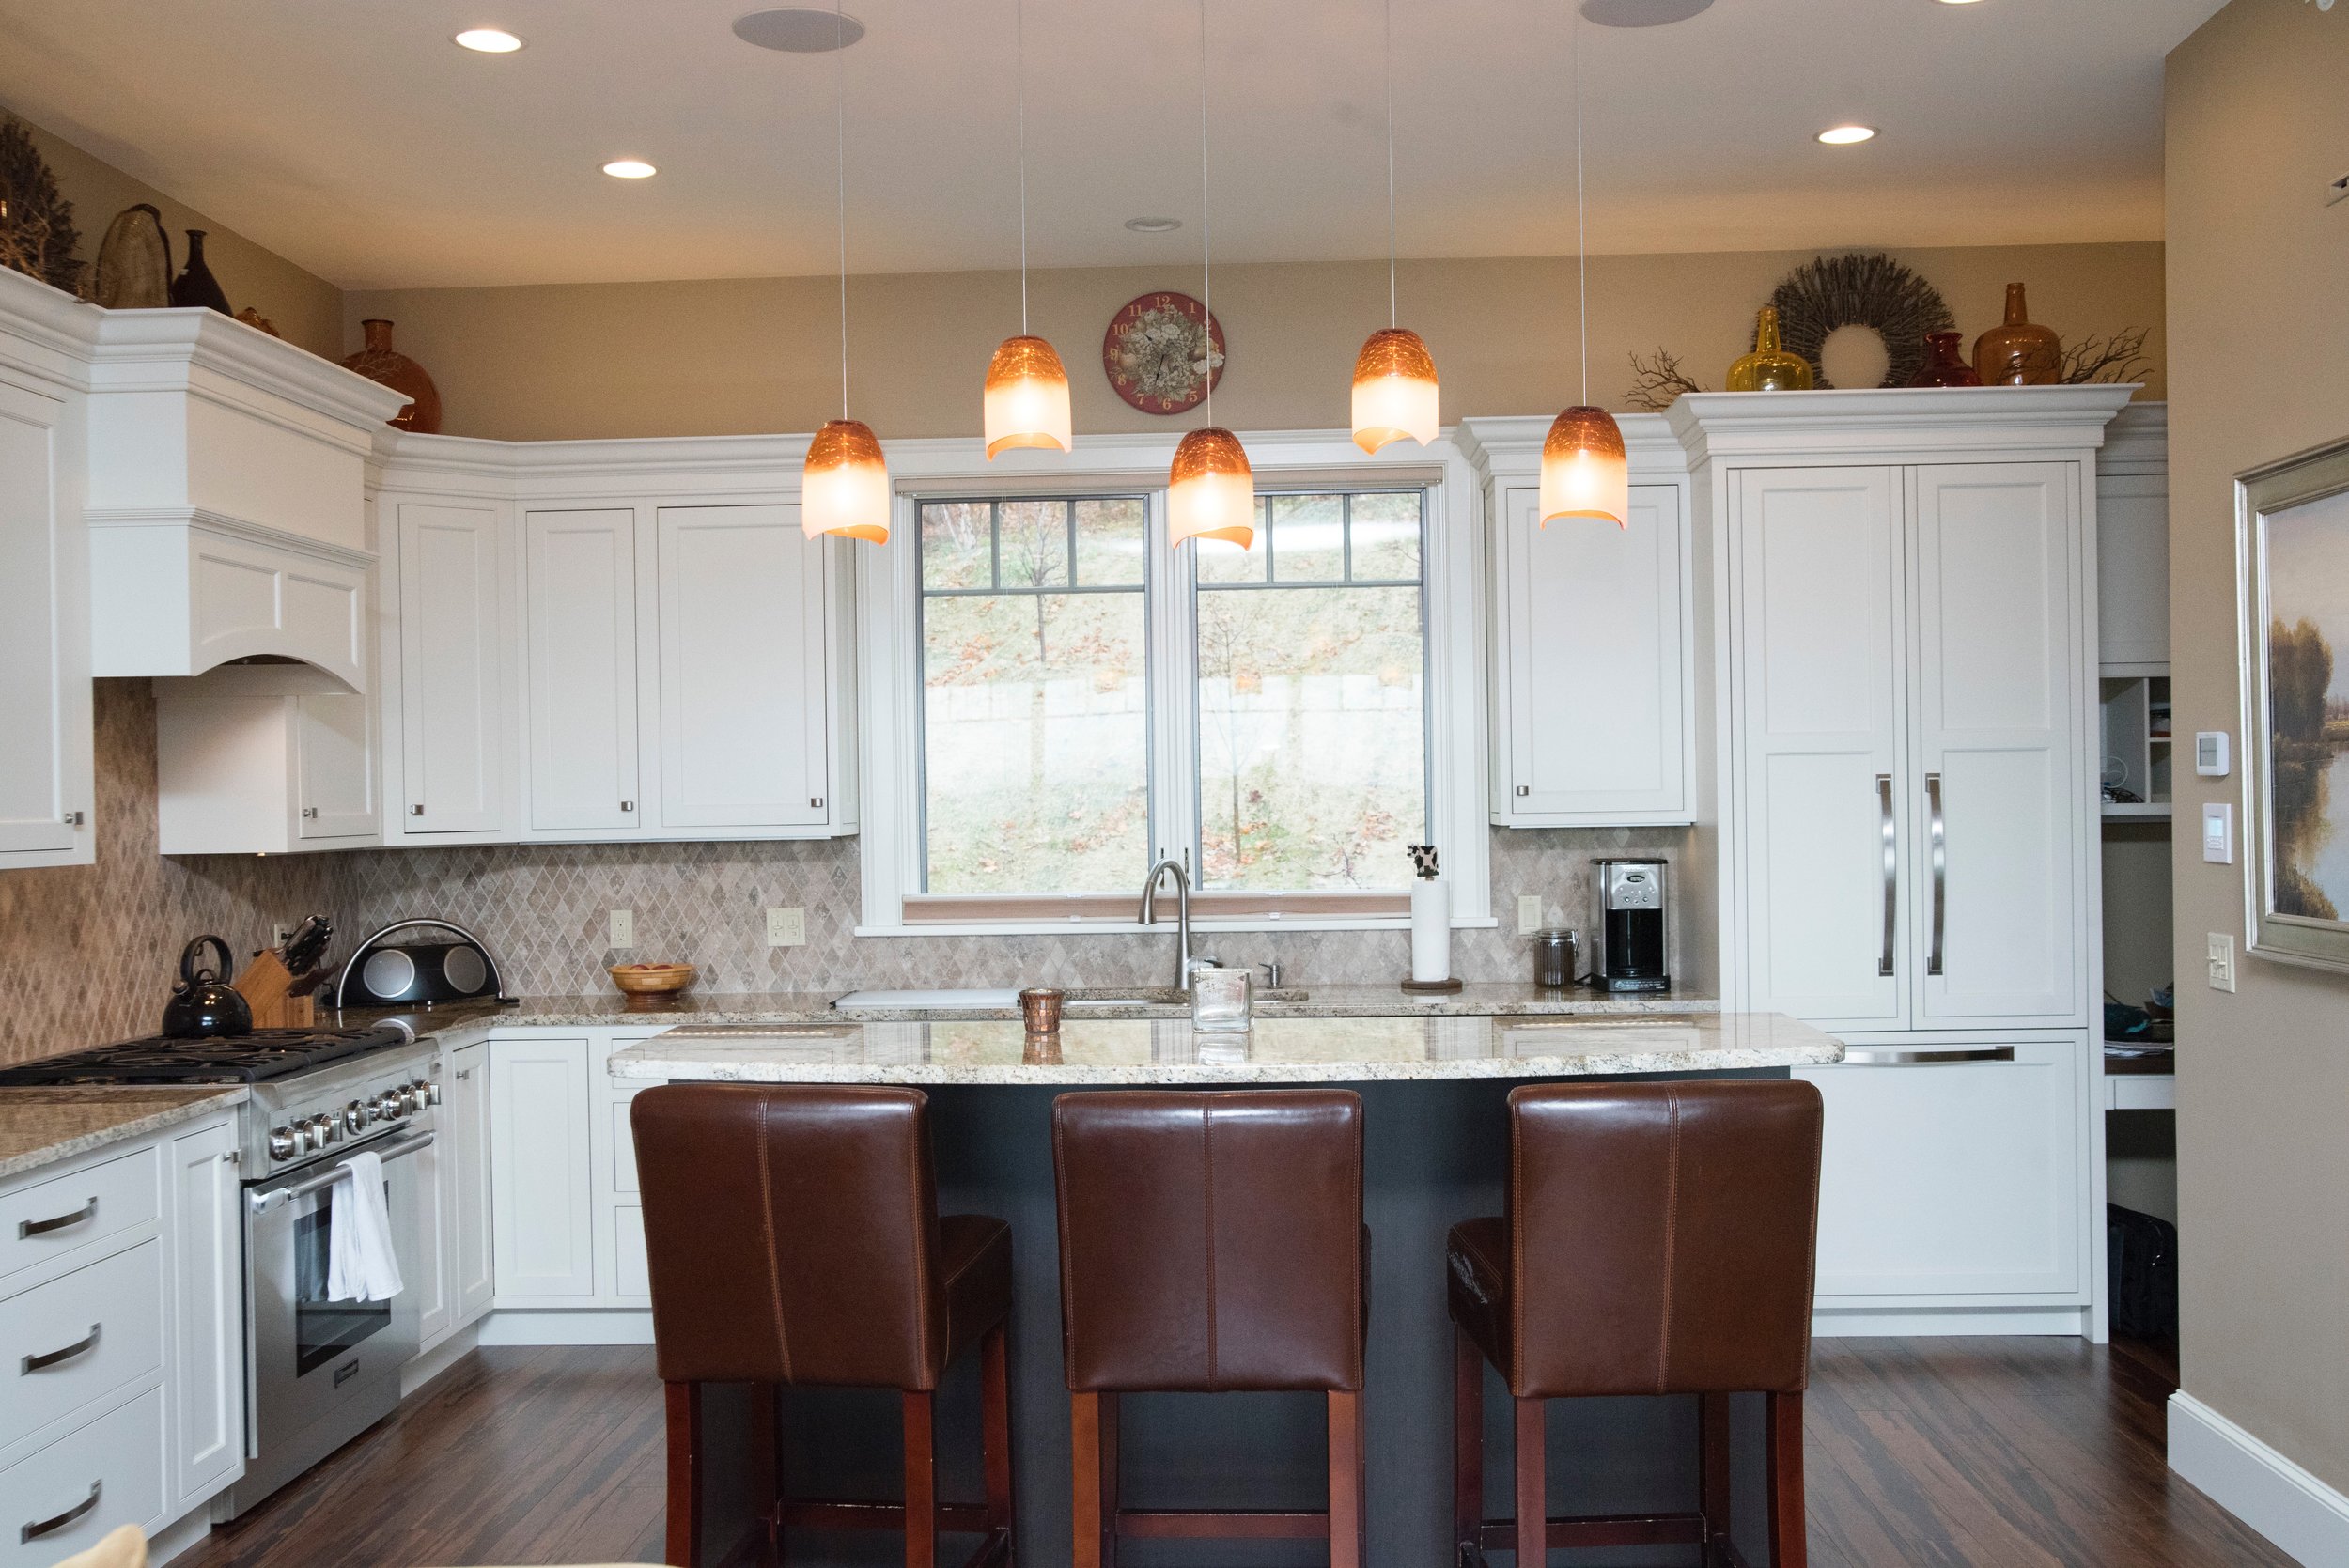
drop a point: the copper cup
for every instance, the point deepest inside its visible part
(1039, 1008)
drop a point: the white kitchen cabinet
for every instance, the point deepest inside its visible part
(540, 1171)
(466, 1131)
(207, 1355)
(429, 1280)
(743, 678)
(1591, 697)
(580, 643)
(263, 759)
(1952, 1181)
(47, 790)
(2133, 543)
(450, 626)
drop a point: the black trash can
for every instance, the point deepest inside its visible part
(2142, 1261)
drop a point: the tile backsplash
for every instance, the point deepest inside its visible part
(86, 953)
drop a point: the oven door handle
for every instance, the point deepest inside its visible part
(261, 1202)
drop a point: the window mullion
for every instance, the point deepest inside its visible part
(1173, 701)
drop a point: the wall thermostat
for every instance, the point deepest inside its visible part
(2210, 753)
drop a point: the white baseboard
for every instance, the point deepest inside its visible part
(2301, 1515)
(177, 1537)
(438, 1358)
(526, 1326)
(1864, 1323)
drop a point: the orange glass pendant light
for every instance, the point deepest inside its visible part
(1026, 401)
(1211, 491)
(1395, 375)
(844, 488)
(844, 485)
(1585, 472)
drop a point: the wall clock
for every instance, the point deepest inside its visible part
(1162, 352)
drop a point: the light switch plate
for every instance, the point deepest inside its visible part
(2221, 961)
(1528, 913)
(786, 927)
(623, 928)
(2218, 832)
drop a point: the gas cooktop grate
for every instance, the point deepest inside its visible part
(264, 1054)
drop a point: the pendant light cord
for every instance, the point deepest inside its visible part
(1020, 90)
(1387, 48)
(1581, 238)
(1206, 264)
(840, 182)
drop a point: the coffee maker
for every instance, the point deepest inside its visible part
(1633, 935)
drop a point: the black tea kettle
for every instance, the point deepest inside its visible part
(204, 1003)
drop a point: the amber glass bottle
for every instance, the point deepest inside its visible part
(1769, 367)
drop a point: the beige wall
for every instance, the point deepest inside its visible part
(2259, 323)
(738, 356)
(306, 309)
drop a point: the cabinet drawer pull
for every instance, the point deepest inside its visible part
(1937, 832)
(42, 1227)
(39, 1528)
(1890, 835)
(82, 1346)
(1888, 1056)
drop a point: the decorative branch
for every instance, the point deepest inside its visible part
(2117, 358)
(1658, 384)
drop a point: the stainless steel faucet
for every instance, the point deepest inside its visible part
(1149, 915)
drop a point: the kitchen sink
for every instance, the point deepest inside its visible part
(1081, 999)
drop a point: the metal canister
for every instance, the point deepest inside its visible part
(1557, 957)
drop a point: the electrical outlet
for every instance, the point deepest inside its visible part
(623, 928)
(278, 933)
(786, 928)
(1528, 913)
(2336, 190)
(2221, 961)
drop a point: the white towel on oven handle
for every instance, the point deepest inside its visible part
(361, 1263)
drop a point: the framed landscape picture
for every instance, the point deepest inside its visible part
(2292, 523)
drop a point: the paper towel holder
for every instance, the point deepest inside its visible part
(1424, 862)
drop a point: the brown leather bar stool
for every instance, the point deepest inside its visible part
(1658, 1239)
(1211, 1242)
(793, 1236)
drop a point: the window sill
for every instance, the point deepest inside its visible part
(1083, 928)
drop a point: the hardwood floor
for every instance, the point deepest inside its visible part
(1926, 1453)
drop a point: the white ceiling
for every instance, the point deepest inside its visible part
(351, 136)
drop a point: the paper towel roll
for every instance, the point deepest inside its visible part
(1431, 929)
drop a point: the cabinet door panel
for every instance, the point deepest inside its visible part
(541, 1179)
(335, 756)
(1818, 699)
(36, 695)
(1952, 1180)
(1595, 662)
(1998, 680)
(2133, 568)
(468, 1137)
(581, 651)
(742, 669)
(208, 1316)
(452, 729)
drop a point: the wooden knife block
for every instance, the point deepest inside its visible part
(265, 984)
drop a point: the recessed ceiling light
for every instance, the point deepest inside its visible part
(488, 41)
(1846, 135)
(629, 168)
(1641, 13)
(1154, 225)
(798, 29)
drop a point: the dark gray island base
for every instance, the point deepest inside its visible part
(1435, 1154)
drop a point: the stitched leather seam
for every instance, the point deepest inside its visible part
(1672, 1226)
(1514, 1283)
(1206, 1156)
(920, 1248)
(1067, 1278)
(1360, 1285)
(775, 1251)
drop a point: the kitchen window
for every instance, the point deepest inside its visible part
(1060, 700)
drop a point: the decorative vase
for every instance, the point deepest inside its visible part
(195, 286)
(380, 361)
(2018, 352)
(1769, 367)
(1945, 362)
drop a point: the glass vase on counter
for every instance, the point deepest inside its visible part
(1220, 1000)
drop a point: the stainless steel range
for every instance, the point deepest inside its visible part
(318, 1373)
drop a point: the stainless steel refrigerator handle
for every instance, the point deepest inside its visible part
(264, 1202)
(1885, 1056)
(1891, 872)
(1937, 836)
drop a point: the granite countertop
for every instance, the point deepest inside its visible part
(1277, 1051)
(42, 1127)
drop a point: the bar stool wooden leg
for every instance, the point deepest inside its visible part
(1467, 1448)
(921, 1463)
(1093, 1451)
(685, 1473)
(1713, 1472)
(1790, 1544)
(1532, 1488)
(995, 1426)
(1346, 1479)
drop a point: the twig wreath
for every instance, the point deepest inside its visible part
(1855, 290)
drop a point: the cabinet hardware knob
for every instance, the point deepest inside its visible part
(816, 802)
(416, 810)
(73, 819)
(628, 805)
(1523, 789)
(310, 812)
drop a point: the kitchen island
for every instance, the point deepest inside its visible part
(1434, 1089)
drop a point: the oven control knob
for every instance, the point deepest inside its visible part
(428, 1092)
(302, 1138)
(282, 1143)
(356, 1116)
(409, 1099)
(327, 1130)
(387, 1105)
